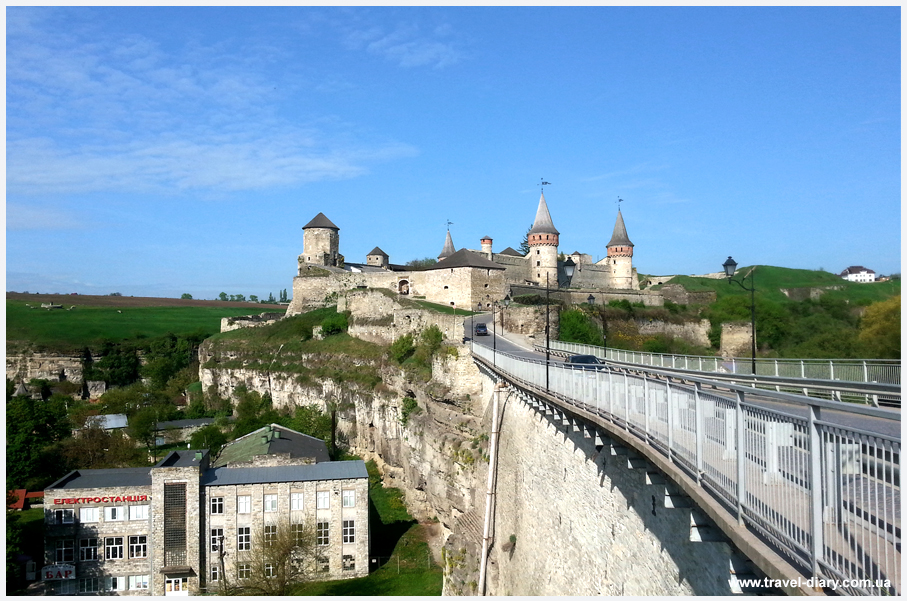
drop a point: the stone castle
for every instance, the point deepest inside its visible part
(465, 278)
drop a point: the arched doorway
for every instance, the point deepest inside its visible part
(403, 287)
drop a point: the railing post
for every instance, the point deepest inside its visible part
(741, 458)
(700, 434)
(670, 406)
(815, 489)
(831, 370)
(866, 379)
(645, 393)
(626, 401)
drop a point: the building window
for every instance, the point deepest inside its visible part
(114, 514)
(244, 538)
(217, 535)
(323, 500)
(244, 571)
(538, 263)
(138, 546)
(349, 531)
(538, 252)
(88, 549)
(324, 565)
(115, 583)
(296, 501)
(217, 505)
(63, 516)
(349, 563)
(244, 504)
(349, 498)
(138, 512)
(270, 503)
(270, 535)
(65, 587)
(65, 551)
(298, 532)
(113, 547)
(322, 530)
(269, 570)
(88, 585)
(215, 573)
(88, 515)
(137, 583)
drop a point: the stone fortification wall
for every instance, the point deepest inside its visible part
(679, 295)
(646, 297)
(583, 523)
(591, 276)
(319, 287)
(44, 366)
(694, 332)
(516, 268)
(228, 324)
(736, 339)
(529, 321)
(377, 317)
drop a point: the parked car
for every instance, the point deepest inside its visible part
(585, 361)
(481, 329)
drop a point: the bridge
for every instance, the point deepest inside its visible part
(804, 486)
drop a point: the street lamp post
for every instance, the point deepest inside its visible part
(729, 267)
(569, 266)
(494, 336)
(506, 304)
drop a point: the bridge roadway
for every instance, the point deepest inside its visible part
(852, 418)
(858, 531)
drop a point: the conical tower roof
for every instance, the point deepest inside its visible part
(320, 221)
(448, 248)
(619, 237)
(543, 223)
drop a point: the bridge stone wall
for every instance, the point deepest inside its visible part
(586, 524)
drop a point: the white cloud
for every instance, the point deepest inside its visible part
(406, 45)
(22, 217)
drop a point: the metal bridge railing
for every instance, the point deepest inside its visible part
(874, 371)
(882, 371)
(827, 495)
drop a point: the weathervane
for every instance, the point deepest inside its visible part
(619, 200)
(449, 223)
(543, 184)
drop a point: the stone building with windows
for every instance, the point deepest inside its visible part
(184, 525)
(465, 278)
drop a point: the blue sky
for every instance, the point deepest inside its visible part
(156, 151)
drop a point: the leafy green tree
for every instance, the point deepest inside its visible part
(880, 328)
(222, 296)
(309, 419)
(13, 548)
(524, 244)
(421, 263)
(118, 365)
(402, 348)
(208, 437)
(143, 427)
(271, 298)
(165, 357)
(577, 326)
(253, 298)
(252, 411)
(334, 324)
(186, 295)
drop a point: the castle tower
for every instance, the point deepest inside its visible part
(320, 242)
(377, 258)
(448, 248)
(486, 247)
(543, 240)
(620, 256)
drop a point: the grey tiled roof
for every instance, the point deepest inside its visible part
(320, 221)
(465, 258)
(543, 223)
(377, 251)
(111, 478)
(448, 247)
(185, 423)
(330, 470)
(511, 252)
(182, 459)
(620, 238)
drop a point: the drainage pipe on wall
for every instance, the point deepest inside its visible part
(489, 495)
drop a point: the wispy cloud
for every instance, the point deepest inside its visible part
(23, 217)
(407, 45)
(105, 113)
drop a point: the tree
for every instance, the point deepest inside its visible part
(222, 296)
(186, 295)
(271, 298)
(422, 263)
(143, 427)
(253, 298)
(880, 329)
(281, 556)
(524, 245)
(283, 295)
(208, 437)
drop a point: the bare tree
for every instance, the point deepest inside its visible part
(282, 555)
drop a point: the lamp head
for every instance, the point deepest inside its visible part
(729, 266)
(569, 267)
(507, 301)
(591, 299)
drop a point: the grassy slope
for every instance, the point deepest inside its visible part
(769, 281)
(67, 331)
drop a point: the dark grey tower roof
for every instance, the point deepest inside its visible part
(448, 248)
(466, 258)
(510, 252)
(320, 221)
(543, 223)
(377, 251)
(619, 237)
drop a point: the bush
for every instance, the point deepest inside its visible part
(335, 324)
(402, 348)
(576, 326)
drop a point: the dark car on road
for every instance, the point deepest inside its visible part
(481, 329)
(585, 361)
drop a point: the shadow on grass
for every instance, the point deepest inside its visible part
(384, 537)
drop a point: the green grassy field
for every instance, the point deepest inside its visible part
(770, 280)
(64, 330)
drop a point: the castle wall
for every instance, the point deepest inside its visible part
(321, 246)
